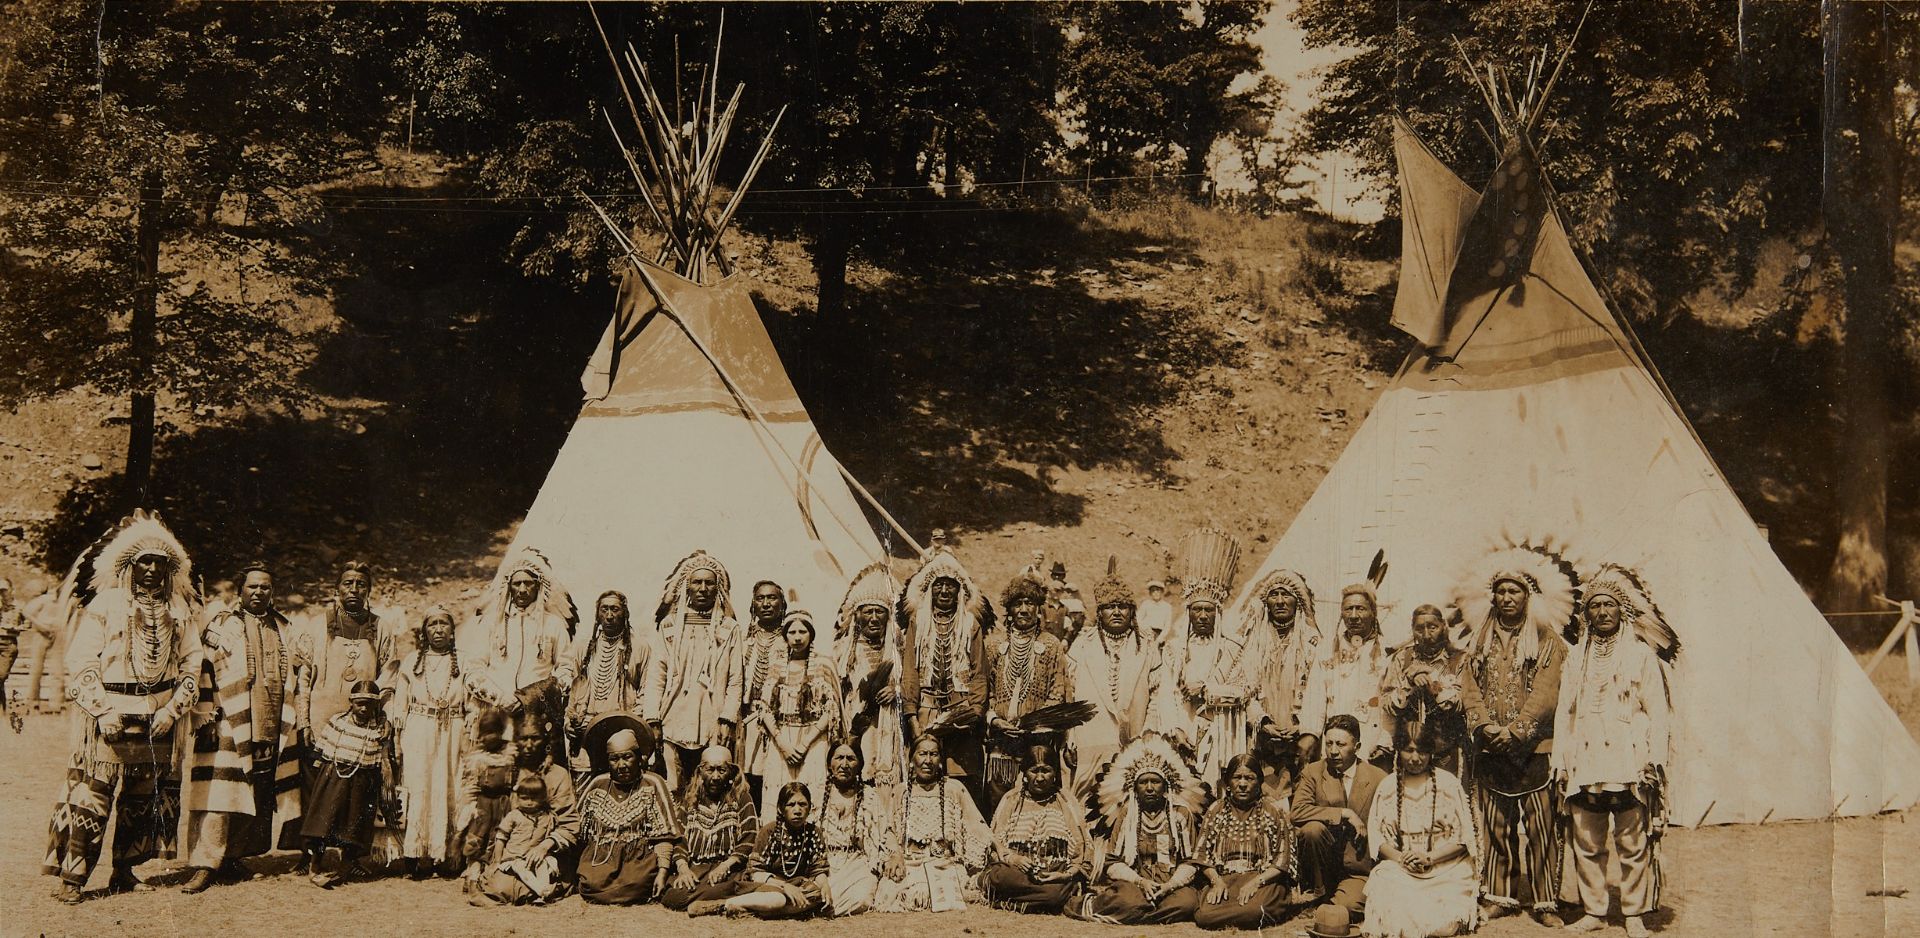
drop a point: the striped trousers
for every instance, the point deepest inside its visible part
(1520, 848)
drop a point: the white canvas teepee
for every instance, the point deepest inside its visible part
(667, 456)
(692, 436)
(1549, 422)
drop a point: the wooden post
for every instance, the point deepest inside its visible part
(1900, 629)
(1913, 643)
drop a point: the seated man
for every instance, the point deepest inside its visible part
(1330, 804)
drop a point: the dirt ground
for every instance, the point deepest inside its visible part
(1783, 879)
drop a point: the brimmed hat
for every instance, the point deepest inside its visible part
(602, 729)
(1331, 921)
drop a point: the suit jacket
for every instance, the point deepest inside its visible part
(1318, 796)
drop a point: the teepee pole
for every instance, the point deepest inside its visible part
(746, 402)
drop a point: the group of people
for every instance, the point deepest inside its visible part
(927, 749)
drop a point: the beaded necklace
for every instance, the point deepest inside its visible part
(151, 624)
(793, 853)
(943, 632)
(1020, 655)
(1113, 669)
(1433, 811)
(610, 662)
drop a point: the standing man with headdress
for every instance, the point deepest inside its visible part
(1207, 708)
(1283, 665)
(1610, 761)
(693, 678)
(872, 678)
(521, 643)
(1026, 670)
(944, 619)
(759, 654)
(1148, 801)
(1357, 668)
(244, 784)
(1118, 669)
(612, 665)
(134, 659)
(1522, 597)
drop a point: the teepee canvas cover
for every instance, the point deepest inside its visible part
(1549, 423)
(665, 458)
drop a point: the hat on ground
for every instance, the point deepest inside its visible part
(602, 730)
(1331, 921)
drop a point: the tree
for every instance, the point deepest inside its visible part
(1862, 172)
(1152, 79)
(125, 125)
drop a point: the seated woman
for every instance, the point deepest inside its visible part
(1148, 797)
(850, 821)
(789, 866)
(718, 825)
(1042, 855)
(935, 842)
(1247, 854)
(627, 828)
(1421, 833)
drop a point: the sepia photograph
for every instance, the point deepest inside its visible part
(1131, 468)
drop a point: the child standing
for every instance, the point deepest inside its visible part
(486, 783)
(510, 873)
(352, 771)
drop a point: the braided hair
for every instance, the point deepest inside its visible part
(626, 630)
(453, 646)
(1419, 737)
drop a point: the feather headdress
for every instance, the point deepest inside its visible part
(1253, 610)
(1212, 559)
(1116, 815)
(872, 586)
(1637, 609)
(675, 588)
(1541, 568)
(914, 613)
(551, 598)
(142, 535)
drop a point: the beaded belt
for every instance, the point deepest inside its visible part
(446, 711)
(157, 687)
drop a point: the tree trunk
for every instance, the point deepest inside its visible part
(1196, 168)
(832, 246)
(1860, 205)
(141, 343)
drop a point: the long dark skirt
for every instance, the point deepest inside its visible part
(340, 811)
(617, 873)
(1008, 887)
(1267, 907)
(678, 899)
(1126, 904)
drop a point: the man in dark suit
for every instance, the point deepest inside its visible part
(1330, 804)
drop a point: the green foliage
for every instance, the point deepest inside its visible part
(1145, 80)
(191, 101)
(1681, 136)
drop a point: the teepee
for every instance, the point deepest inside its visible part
(1529, 411)
(692, 435)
